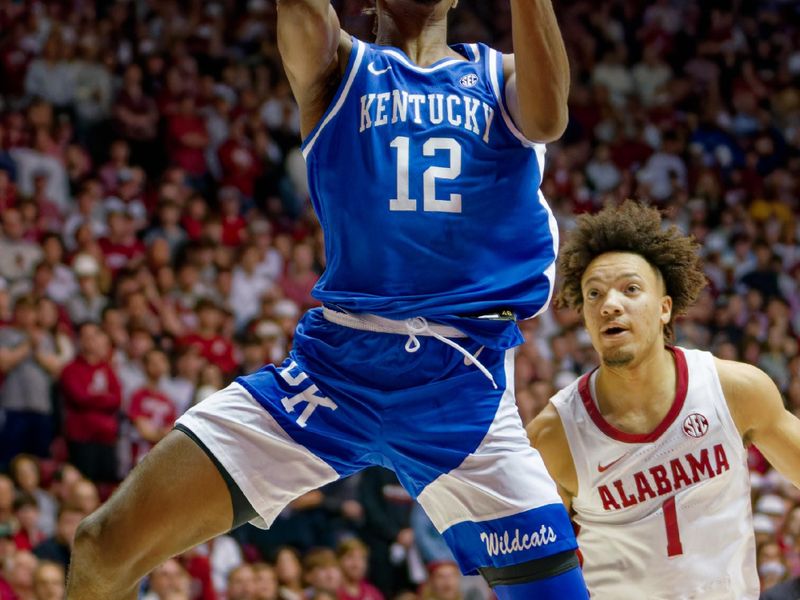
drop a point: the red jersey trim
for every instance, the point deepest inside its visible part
(682, 386)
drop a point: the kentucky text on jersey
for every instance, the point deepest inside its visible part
(399, 106)
(664, 479)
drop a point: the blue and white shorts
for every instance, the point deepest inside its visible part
(365, 391)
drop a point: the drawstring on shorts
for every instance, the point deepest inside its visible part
(414, 328)
(420, 326)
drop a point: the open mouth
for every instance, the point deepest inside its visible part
(613, 330)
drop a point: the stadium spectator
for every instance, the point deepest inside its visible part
(150, 411)
(83, 496)
(58, 547)
(49, 581)
(443, 583)
(289, 571)
(18, 256)
(88, 303)
(92, 398)
(26, 476)
(241, 583)
(18, 572)
(168, 581)
(29, 365)
(209, 338)
(26, 513)
(322, 572)
(353, 559)
(266, 586)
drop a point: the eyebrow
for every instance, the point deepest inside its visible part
(623, 276)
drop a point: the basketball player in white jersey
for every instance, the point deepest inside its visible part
(648, 451)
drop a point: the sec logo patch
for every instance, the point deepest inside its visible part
(695, 425)
(469, 81)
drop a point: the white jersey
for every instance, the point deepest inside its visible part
(664, 515)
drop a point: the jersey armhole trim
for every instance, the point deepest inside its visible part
(356, 57)
(498, 87)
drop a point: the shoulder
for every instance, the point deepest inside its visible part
(749, 393)
(741, 379)
(546, 428)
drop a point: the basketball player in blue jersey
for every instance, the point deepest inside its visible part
(424, 164)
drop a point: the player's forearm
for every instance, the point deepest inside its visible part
(542, 69)
(308, 37)
(781, 446)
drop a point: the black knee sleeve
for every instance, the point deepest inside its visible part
(533, 570)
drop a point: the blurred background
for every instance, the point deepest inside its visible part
(157, 240)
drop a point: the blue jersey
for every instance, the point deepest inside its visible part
(427, 193)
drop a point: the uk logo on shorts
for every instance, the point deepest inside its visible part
(310, 396)
(695, 425)
(469, 81)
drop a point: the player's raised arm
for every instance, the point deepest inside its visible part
(314, 51)
(757, 408)
(537, 75)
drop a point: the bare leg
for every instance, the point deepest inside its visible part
(172, 501)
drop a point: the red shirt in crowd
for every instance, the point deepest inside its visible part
(366, 591)
(193, 227)
(117, 255)
(299, 289)
(6, 593)
(190, 159)
(233, 229)
(23, 540)
(154, 406)
(215, 349)
(92, 398)
(240, 166)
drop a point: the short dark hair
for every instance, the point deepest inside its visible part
(636, 228)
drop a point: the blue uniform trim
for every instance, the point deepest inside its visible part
(353, 63)
(507, 541)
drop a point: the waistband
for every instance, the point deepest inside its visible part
(414, 327)
(376, 324)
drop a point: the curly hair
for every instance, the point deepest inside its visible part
(635, 228)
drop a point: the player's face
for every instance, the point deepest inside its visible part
(624, 307)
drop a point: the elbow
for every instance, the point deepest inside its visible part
(546, 128)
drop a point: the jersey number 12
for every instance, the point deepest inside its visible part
(430, 203)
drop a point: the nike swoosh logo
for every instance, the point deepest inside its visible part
(371, 68)
(467, 360)
(604, 468)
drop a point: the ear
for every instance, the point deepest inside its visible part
(666, 310)
(454, 4)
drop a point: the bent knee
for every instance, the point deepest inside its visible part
(93, 538)
(97, 541)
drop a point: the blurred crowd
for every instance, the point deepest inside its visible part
(157, 241)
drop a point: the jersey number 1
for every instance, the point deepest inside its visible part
(674, 546)
(430, 203)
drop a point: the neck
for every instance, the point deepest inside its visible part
(648, 384)
(419, 31)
